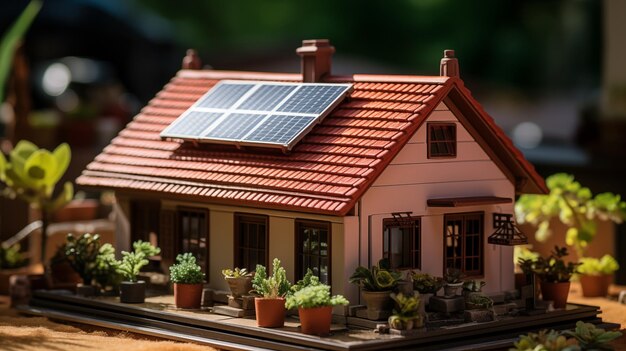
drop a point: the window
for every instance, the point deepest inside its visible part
(441, 140)
(402, 242)
(194, 235)
(251, 241)
(463, 242)
(313, 249)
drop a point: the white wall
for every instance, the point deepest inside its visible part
(411, 179)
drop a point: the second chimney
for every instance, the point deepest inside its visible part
(316, 59)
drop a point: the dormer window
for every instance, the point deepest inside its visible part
(441, 140)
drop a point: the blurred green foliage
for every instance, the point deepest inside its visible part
(528, 44)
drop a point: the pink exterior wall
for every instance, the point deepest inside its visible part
(411, 179)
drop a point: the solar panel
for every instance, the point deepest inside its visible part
(268, 114)
(279, 129)
(234, 126)
(193, 124)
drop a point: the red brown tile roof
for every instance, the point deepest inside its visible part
(325, 173)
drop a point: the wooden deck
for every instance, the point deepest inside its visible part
(159, 317)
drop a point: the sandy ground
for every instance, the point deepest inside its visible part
(20, 333)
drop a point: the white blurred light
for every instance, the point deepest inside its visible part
(56, 79)
(527, 135)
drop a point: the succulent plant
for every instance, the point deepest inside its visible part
(132, 262)
(186, 270)
(311, 296)
(378, 278)
(273, 286)
(236, 273)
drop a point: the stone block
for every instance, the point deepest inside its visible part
(479, 316)
(235, 302)
(496, 297)
(446, 306)
(232, 312)
(248, 302)
(373, 315)
(207, 298)
(504, 308)
(353, 309)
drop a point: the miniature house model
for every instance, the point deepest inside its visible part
(322, 171)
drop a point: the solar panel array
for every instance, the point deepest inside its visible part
(257, 113)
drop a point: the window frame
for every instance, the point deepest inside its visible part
(450, 143)
(250, 218)
(392, 222)
(481, 239)
(180, 211)
(299, 223)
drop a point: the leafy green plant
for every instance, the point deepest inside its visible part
(274, 286)
(473, 285)
(553, 268)
(82, 253)
(308, 280)
(405, 311)
(574, 205)
(426, 283)
(378, 278)
(478, 302)
(236, 273)
(544, 341)
(32, 175)
(590, 337)
(11, 257)
(132, 262)
(594, 266)
(453, 276)
(186, 270)
(105, 270)
(11, 39)
(317, 295)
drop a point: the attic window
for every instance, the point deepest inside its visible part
(260, 114)
(441, 140)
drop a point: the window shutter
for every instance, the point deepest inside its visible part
(167, 234)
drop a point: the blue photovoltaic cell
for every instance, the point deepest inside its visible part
(224, 96)
(192, 124)
(312, 98)
(280, 129)
(234, 126)
(267, 97)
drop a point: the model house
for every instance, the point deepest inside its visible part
(410, 168)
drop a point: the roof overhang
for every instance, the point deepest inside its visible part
(468, 201)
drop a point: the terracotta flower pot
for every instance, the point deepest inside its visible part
(270, 313)
(595, 285)
(239, 286)
(316, 320)
(187, 296)
(133, 292)
(555, 292)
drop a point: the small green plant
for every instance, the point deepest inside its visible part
(405, 311)
(473, 285)
(453, 276)
(132, 262)
(479, 302)
(186, 270)
(272, 287)
(378, 278)
(426, 283)
(82, 253)
(574, 205)
(590, 337)
(551, 269)
(543, 341)
(308, 280)
(11, 257)
(236, 273)
(594, 266)
(311, 296)
(105, 269)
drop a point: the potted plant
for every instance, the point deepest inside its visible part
(271, 292)
(106, 270)
(573, 205)
(595, 275)
(585, 336)
(239, 281)
(426, 285)
(554, 275)
(453, 282)
(377, 284)
(131, 289)
(82, 253)
(187, 277)
(406, 314)
(315, 307)
(478, 302)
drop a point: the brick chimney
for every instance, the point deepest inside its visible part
(316, 59)
(449, 66)
(192, 60)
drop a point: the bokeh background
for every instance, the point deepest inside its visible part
(551, 73)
